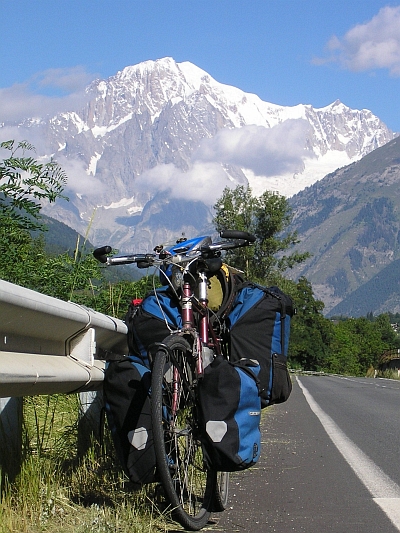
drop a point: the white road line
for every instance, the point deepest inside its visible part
(384, 491)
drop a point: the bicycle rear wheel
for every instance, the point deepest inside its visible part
(221, 492)
(188, 485)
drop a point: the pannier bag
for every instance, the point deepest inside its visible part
(152, 320)
(126, 389)
(230, 414)
(259, 328)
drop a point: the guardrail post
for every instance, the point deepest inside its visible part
(91, 421)
(10, 436)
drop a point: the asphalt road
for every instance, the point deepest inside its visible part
(330, 462)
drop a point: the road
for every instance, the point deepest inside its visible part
(330, 462)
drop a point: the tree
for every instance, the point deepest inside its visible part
(268, 218)
(344, 357)
(24, 183)
(311, 333)
(25, 262)
(358, 344)
(113, 298)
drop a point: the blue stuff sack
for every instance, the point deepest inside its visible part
(259, 328)
(152, 320)
(230, 414)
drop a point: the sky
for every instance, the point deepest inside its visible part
(288, 52)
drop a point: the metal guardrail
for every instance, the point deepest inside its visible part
(50, 346)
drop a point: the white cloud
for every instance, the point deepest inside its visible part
(79, 182)
(372, 45)
(40, 95)
(203, 182)
(71, 80)
(264, 151)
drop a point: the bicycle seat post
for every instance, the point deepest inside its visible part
(204, 301)
(187, 310)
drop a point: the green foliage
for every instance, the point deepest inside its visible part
(24, 261)
(24, 183)
(113, 298)
(268, 218)
(311, 332)
(358, 344)
(56, 492)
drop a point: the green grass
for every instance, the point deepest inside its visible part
(57, 492)
(388, 374)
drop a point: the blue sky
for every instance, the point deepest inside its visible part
(285, 51)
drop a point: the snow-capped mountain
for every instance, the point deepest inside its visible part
(156, 144)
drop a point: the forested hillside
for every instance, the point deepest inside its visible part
(350, 222)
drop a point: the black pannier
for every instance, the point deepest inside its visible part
(126, 389)
(259, 328)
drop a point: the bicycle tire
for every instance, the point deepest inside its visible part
(189, 487)
(221, 495)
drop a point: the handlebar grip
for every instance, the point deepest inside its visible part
(100, 253)
(236, 234)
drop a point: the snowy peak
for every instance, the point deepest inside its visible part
(152, 85)
(162, 129)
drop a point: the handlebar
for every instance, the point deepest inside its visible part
(238, 239)
(101, 253)
(234, 234)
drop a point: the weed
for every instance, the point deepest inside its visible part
(388, 374)
(57, 492)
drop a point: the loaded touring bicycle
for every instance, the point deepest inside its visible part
(184, 406)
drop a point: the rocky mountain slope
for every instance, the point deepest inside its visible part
(350, 221)
(156, 144)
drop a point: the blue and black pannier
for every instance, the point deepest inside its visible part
(127, 383)
(229, 397)
(259, 328)
(127, 403)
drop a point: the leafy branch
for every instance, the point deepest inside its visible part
(24, 183)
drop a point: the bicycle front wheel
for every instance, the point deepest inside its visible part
(188, 485)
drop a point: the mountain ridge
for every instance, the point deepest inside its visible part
(350, 221)
(162, 136)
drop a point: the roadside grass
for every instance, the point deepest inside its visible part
(388, 374)
(57, 492)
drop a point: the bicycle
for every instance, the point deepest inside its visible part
(192, 488)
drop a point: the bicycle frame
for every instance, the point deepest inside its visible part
(204, 333)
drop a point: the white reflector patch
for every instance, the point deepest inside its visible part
(138, 438)
(216, 430)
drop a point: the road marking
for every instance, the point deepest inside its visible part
(384, 491)
(394, 383)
